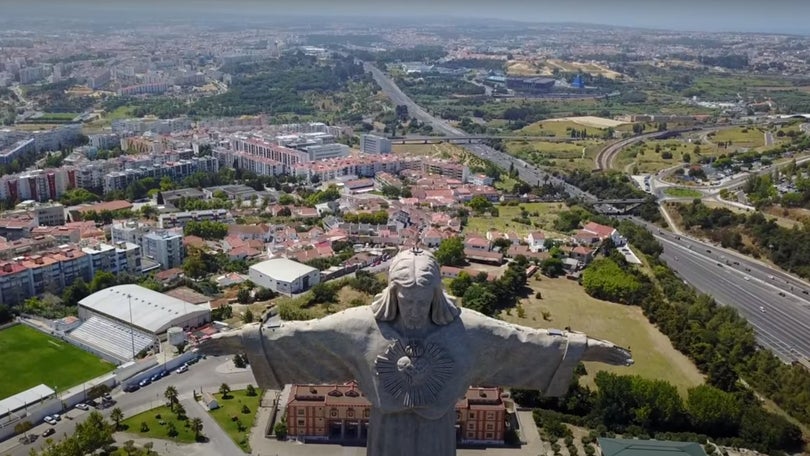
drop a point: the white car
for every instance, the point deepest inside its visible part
(82, 406)
(747, 278)
(762, 309)
(49, 420)
(56, 417)
(181, 369)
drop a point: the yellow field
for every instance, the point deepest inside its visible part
(547, 67)
(569, 305)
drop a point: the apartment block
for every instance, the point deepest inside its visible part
(372, 144)
(165, 247)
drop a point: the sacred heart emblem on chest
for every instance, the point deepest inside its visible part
(414, 373)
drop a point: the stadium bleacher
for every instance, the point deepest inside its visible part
(112, 337)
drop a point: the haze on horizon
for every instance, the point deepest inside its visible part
(775, 16)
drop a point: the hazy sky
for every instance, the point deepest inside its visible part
(774, 16)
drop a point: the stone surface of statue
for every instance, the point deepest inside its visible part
(413, 353)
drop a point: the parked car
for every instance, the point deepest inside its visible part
(132, 387)
(181, 369)
(49, 431)
(82, 406)
(56, 417)
(48, 419)
(145, 382)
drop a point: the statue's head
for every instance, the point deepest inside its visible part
(414, 292)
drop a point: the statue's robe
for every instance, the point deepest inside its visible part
(474, 349)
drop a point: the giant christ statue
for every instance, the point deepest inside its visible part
(414, 353)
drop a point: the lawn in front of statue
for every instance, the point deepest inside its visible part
(158, 428)
(569, 305)
(232, 406)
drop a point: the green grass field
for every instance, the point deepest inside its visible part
(682, 192)
(31, 358)
(503, 223)
(564, 156)
(156, 430)
(233, 407)
(560, 129)
(749, 137)
(569, 305)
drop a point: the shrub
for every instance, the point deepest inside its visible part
(144, 427)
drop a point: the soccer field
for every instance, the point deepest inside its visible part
(30, 358)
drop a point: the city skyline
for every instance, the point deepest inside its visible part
(779, 16)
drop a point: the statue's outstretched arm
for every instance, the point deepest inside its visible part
(294, 352)
(607, 352)
(520, 357)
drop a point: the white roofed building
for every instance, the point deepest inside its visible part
(284, 276)
(151, 312)
(122, 321)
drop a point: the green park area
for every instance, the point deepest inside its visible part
(239, 405)
(541, 216)
(566, 156)
(158, 423)
(653, 156)
(31, 358)
(677, 192)
(746, 137)
(565, 303)
(560, 129)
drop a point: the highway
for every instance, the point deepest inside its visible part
(527, 173)
(782, 323)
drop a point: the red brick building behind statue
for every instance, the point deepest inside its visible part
(341, 412)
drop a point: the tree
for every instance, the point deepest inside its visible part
(479, 204)
(480, 298)
(102, 280)
(280, 430)
(240, 361)
(196, 426)
(117, 415)
(22, 427)
(171, 429)
(180, 411)
(552, 267)
(713, 411)
(502, 244)
(97, 391)
(460, 284)
(245, 409)
(171, 395)
(206, 229)
(322, 293)
(129, 447)
(451, 252)
(251, 390)
(5, 314)
(243, 296)
(224, 389)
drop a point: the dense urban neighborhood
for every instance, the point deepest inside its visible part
(168, 182)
